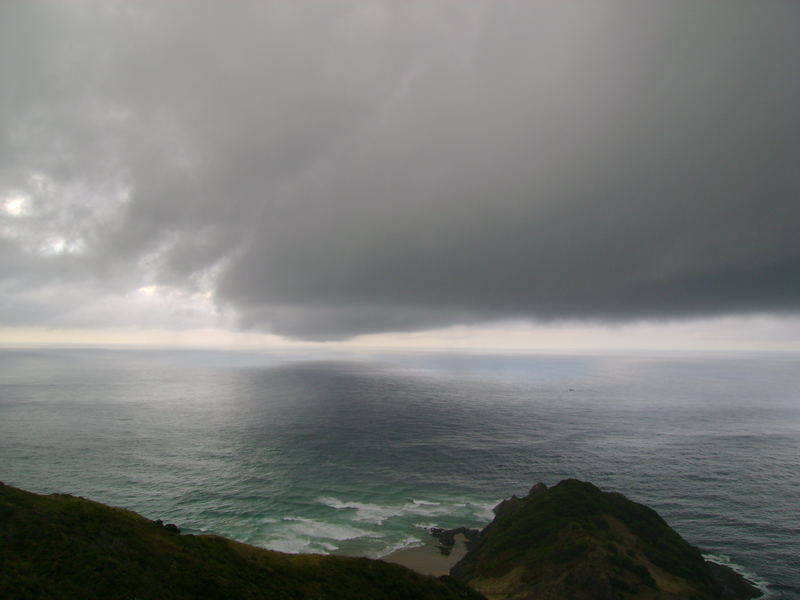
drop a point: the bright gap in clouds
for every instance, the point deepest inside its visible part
(14, 204)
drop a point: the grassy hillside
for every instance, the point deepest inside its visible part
(575, 541)
(59, 546)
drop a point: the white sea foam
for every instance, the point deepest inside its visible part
(724, 560)
(297, 545)
(312, 528)
(377, 514)
(364, 511)
(286, 544)
(408, 542)
(297, 535)
(430, 509)
(328, 547)
(484, 512)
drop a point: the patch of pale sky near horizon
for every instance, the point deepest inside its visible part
(748, 333)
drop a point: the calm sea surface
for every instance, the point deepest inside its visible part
(359, 455)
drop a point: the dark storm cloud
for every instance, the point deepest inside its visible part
(333, 168)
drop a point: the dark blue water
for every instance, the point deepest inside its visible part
(358, 455)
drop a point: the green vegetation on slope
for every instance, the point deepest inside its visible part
(576, 529)
(59, 546)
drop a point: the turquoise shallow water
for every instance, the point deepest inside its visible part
(358, 455)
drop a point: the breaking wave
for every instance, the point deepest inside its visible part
(378, 514)
(725, 561)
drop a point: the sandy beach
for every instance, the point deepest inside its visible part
(428, 559)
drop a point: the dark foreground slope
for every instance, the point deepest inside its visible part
(59, 546)
(575, 541)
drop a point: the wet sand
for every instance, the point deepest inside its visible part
(427, 559)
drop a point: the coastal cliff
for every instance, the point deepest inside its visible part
(571, 541)
(59, 546)
(575, 541)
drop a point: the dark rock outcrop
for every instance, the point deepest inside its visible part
(172, 528)
(733, 586)
(447, 537)
(537, 489)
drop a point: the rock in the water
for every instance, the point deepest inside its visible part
(733, 586)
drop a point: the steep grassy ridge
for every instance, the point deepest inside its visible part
(59, 546)
(575, 541)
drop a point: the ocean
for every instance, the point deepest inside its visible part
(359, 454)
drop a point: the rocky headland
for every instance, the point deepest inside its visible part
(575, 541)
(571, 541)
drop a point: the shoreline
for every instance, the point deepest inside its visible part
(428, 558)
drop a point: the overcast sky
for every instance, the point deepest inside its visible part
(319, 170)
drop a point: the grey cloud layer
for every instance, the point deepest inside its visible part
(329, 169)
